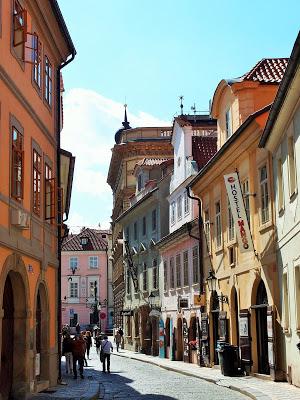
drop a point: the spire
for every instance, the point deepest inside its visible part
(125, 123)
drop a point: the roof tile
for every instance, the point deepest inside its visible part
(268, 70)
(203, 149)
(96, 241)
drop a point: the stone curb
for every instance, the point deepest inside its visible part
(91, 394)
(247, 391)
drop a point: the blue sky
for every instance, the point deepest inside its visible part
(151, 52)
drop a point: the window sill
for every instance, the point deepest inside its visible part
(185, 287)
(293, 195)
(219, 250)
(263, 227)
(231, 242)
(281, 211)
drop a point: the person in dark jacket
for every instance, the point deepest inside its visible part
(77, 328)
(89, 343)
(78, 351)
(67, 345)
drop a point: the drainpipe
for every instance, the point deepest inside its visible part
(59, 210)
(199, 238)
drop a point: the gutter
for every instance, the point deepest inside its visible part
(59, 204)
(62, 25)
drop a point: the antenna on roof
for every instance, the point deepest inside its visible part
(181, 105)
(193, 108)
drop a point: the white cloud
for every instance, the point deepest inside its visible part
(90, 122)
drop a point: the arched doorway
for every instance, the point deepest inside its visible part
(215, 310)
(168, 336)
(261, 329)
(235, 334)
(41, 334)
(179, 341)
(193, 340)
(13, 370)
(6, 376)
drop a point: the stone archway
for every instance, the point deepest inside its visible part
(42, 333)
(14, 289)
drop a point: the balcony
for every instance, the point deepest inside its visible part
(149, 186)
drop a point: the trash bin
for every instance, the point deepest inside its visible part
(229, 359)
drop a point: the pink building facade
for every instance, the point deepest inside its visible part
(84, 279)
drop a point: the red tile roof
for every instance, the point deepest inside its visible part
(268, 70)
(95, 241)
(203, 149)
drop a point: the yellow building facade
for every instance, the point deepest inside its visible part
(242, 294)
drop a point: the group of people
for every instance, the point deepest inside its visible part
(77, 350)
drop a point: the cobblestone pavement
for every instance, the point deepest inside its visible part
(131, 379)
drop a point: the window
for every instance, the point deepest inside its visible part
(264, 193)
(127, 281)
(145, 277)
(195, 265)
(92, 288)
(207, 230)
(127, 234)
(186, 203)
(135, 231)
(173, 212)
(179, 207)
(74, 320)
(230, 223)
(48, 81)
(154, 220)
(228, 123)
(185, 268)
(218, 224)
(292, 166)
(155, 274)
(172, 276)
(37, 176)
(245, 190)
(17, 172)
(140, 182)
(165, 275)
(280, 185)
(50, 198)
(19, 29)
(231, 256)
(286, 308)
(297, 292)
(178, 270)
(73, 262)
(93, 261)
(74, 290)
(144, 226)
(36, 69)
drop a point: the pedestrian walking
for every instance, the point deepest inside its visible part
(118, 339)
(67, 346)
(106, 348)
(121, 333)
(78, 352)
(98, 342)
(89, 343)
(77, 328)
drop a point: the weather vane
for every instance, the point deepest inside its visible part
(181, 105)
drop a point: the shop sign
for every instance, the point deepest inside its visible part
(185, 341)
(183, 303)
(199, 299)
(238, 212)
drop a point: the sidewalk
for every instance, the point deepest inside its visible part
(253, 387)
(79, 389)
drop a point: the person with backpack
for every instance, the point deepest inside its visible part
(106, 348)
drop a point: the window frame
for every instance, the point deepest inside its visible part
(264, 188)
(145, 277)
(195, 257)
(173, 212)
(293, 188)
(179, 207)
(178, 271)
(154, 220)
(76, 288)
(186, 202)
(172, 272)
(49, 194)
(17, 170)
(155, 272)
(94, 258)
(280, 185)
(218, 222)
(165, 264)
(207, 230)
(37, 167)
(246, 197)
(48, 81)
(185, 257)
(228, 123)
(144, 226)
(71, 259)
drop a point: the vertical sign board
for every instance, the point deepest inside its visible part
(172, 353)
(238, 212)
(198, 342)
(186, 349)
(245, 339)
(271, 341)
(161, 339)
(205, 339)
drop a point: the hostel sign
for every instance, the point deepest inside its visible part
(238, 212)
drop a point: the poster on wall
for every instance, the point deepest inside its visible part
(186, 348)
(237, 206)
(243, 326)
(172, 353)
(161, 339)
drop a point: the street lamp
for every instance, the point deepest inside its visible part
(211, 281)
(151, 300)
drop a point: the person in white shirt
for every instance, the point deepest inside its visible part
(106, 348)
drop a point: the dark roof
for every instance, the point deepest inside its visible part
(228, 143)
(196, 120)
(203, 149)
(62, 25)
(126, 126)
(282, 90)
(267, 71)
(95, 242)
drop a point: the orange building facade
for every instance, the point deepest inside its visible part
(34, 46)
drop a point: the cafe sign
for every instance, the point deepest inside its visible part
(238, 212)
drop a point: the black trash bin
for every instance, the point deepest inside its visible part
(229, 359)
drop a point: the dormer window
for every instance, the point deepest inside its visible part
(84, 240)
(228, 123)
